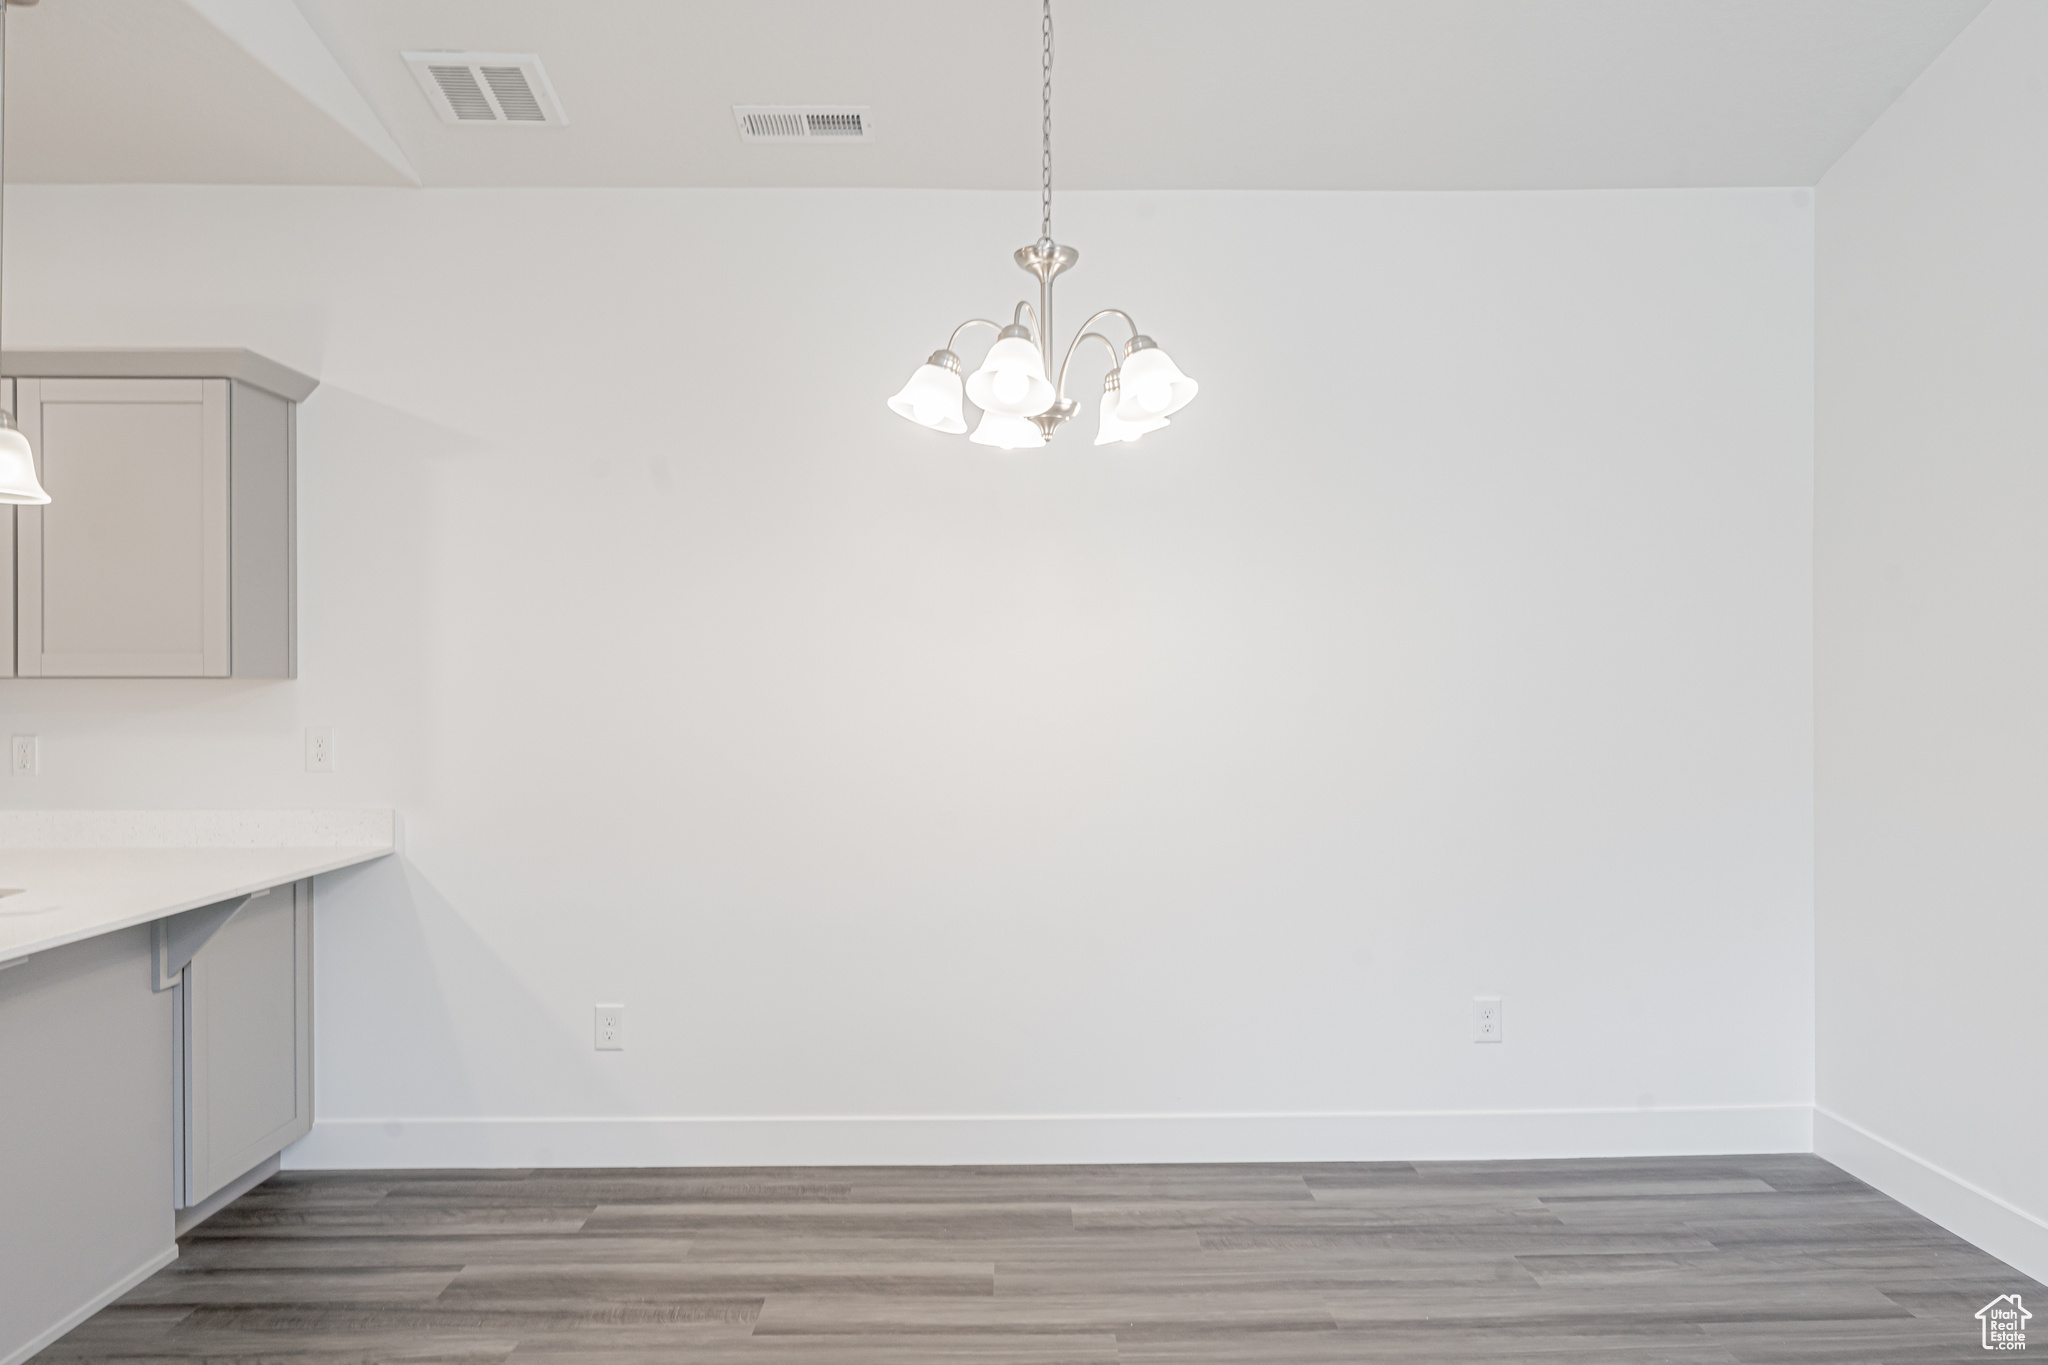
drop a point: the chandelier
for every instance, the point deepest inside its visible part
(1021, 406)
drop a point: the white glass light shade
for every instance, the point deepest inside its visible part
(1007, 431)
(1153, 386)
(1012, 380)
(932, 399)
(18, 470)
(1114, 428)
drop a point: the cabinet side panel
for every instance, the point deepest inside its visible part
(194, 1115)
(214, 541)
(181, 1091)
(28, 541)
(7, 538)
(303, 896)
(261, 539)
(291, 550)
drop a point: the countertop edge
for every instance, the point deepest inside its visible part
(342, 857)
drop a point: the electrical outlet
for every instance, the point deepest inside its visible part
(1486, 1026)
(320, 749)
(26, 759)
(611, 1028)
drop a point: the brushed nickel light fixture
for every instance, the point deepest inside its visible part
(1020, 406)
(17, 462)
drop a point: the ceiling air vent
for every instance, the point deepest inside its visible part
(804, 122)
(507, 88)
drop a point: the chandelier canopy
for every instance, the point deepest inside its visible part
(1023, 400)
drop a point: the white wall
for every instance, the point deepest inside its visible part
(1456, 642)
(1932, 663)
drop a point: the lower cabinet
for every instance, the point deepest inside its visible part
(243, 1044)
(85, 1125)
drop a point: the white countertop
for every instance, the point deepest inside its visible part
(81, 873)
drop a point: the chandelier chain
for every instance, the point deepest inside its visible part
(1045, 130)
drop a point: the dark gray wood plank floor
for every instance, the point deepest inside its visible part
(1691, 1261)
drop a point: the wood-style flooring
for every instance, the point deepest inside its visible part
(1685, 1261)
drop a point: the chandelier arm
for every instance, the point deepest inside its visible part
(953, 342)
(1023, 307)
(1107, 345)
(1112, 313)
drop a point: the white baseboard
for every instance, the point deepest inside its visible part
(91, 1306)
(388, 1144)
(1976, 1215)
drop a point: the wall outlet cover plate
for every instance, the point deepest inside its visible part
(1486, 1019)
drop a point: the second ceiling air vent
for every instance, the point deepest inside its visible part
(804, 122)
(506, 88)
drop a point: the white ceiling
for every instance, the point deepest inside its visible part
(1278, 94)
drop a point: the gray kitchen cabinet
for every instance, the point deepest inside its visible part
(7, 520)
(242, 1044)
(85, 1125)
(168, 548)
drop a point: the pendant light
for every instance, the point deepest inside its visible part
(1007, 431)
(17, 462)
(1021, 405)
(932, 397)
(1111, 427)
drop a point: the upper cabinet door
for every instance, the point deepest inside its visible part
(125, 573)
